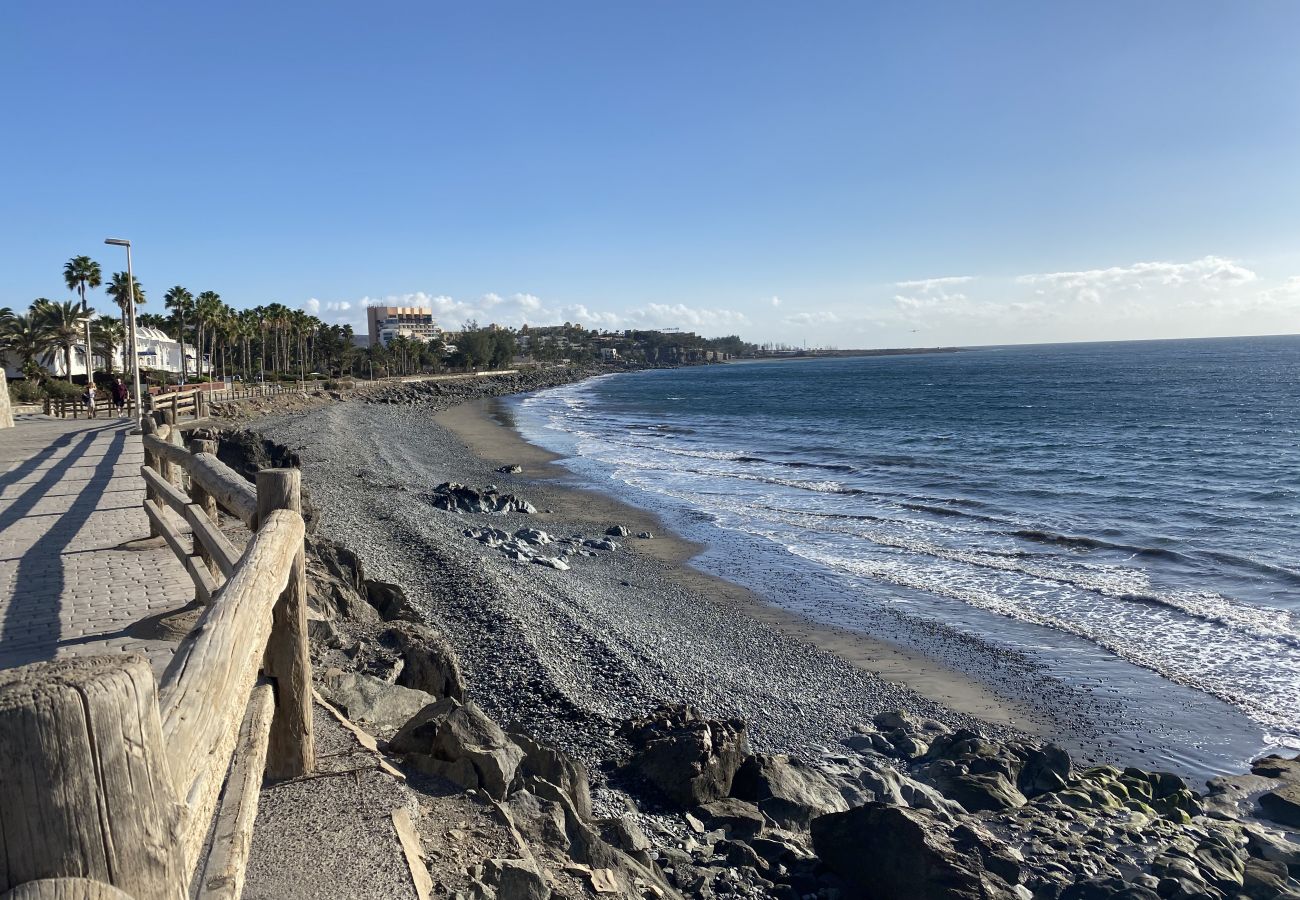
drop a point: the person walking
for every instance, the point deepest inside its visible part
(88, 397)
(119, 394)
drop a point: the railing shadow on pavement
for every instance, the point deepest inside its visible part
(39, 581)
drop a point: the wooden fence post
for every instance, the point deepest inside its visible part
(205, 500)
(85, 789)
(291, 751)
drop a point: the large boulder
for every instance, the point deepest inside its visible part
(557, 768)
(389, 600)
(788, 790)
(1046, 768)
(428, 661)
(335, 583)
(890, 852)
(689, 758)
(976, 791)
(382, 707)
(459, 742)
(515, 879)
(738, 818)
(1282, 805)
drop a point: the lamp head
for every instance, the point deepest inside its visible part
(117, 242)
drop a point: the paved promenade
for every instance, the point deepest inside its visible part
(70, 580)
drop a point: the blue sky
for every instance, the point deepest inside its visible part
(856, 174)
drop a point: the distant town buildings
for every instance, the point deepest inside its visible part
(388, 322)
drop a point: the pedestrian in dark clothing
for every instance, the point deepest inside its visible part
(119, 393)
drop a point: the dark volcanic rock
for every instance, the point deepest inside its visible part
(390, 601)
(788, 790)
(428, 662)
(1283, 805)
(890, 852)
(461, 744)
(689, 758)
(739, 818)
(557, 768)
(454, 497)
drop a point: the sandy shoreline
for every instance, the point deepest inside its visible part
(484, 428)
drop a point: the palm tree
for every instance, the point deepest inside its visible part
(107, 335)
(63, 321)
(181, 303)
(27, 338)
(80, 273)
(207, 306)
(121, 294)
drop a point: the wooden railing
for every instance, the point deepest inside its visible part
(191, 404)
(66, 408)
(110, 782)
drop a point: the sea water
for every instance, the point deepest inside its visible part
(1123, 516)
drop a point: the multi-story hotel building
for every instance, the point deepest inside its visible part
(388, 322)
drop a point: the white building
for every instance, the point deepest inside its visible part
(157, 352)
(162, 354)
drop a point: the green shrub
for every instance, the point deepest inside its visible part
(25, 391)
(58, 389)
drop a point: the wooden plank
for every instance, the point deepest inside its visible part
(413, 852)
(364, 738)
(223, 552)
(203, 693)
(84, 786)
(204, 584)
(231, 491)
(165, 490)
(232, 838)
(167, 531)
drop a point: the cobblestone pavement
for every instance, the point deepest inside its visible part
(70, 580)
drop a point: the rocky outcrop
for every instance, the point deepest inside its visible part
(555, 768)
(381, 707)
(460, 743)
(428, 662)
(787, 790)
(688, 758)
(890, 852)
(454, 497)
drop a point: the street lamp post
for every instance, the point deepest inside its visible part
(131, 339)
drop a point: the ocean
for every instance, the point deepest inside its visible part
(1120, 519)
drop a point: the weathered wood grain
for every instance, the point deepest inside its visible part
(207, 684)
(232, 838)
(85, 790)
(288, 659)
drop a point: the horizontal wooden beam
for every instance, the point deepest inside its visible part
(168, 531)
(209, 535)
(165, 490)
(224, 484)
(204, 584)
(207, 684)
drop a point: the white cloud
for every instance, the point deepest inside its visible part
(811, 318)
(529, 309)
(928, 284)
(775, 301)
(311, 306)
(1210, 272)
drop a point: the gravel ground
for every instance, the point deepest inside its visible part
(563, 655)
